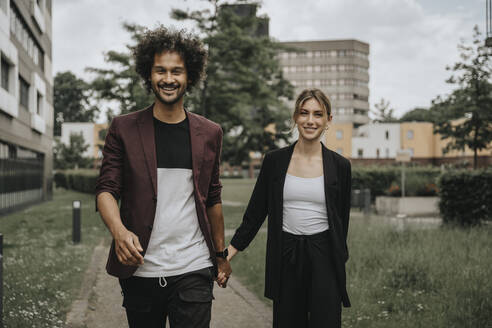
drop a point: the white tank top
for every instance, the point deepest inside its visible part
(304, 207)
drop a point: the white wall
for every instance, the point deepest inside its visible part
(372, 136)
(87, 130)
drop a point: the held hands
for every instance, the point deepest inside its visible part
(127, 247)
(224, 267)
(224, 271)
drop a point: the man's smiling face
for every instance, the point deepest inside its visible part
(169, 77)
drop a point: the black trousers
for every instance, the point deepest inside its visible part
(309, 294)
(186, 299)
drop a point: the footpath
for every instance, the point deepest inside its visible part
(99, 302)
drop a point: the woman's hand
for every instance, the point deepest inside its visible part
(232, 251)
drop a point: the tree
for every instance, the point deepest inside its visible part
(71, 156)
(245, 90)
(418, 114)
(120, 87)
(71, 100)
(383, 112)
(471, 101)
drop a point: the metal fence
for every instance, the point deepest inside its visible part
(21, 182)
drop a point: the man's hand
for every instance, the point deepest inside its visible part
(127, 247)
(224, 268)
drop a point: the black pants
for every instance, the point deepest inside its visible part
(186, 299)
(309, 294)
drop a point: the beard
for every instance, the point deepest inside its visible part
(179, 94)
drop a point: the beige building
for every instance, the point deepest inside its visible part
(338, 67)
(339, 138)
(93, 134)
(377, 143)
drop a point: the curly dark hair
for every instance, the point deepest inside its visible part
(188, 45)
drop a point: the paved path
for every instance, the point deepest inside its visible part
(99, 302)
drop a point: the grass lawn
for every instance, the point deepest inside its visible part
(439, 277)
(43, 270)
(397, 278)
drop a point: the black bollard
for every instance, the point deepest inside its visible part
(367, 201)
(76, 222)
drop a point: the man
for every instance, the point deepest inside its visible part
(162, 163)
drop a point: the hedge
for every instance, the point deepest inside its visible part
(466, 196)
(419, 181)
(79, 180)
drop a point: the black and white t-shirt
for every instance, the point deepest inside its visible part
(176, 244)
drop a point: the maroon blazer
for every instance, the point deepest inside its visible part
(129, 173)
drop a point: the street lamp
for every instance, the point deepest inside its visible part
(488, 40)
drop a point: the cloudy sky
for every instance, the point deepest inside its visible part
(411, 41)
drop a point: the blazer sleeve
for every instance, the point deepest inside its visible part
(256, 211)
(215, 187)
(111, 173)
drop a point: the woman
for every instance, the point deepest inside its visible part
(305, 191)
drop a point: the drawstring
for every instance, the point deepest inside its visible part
(160, 282)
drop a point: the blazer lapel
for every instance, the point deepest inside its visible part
(147, 138)
(330, 177)
(329, 168)
(197, 145)
(279, 180)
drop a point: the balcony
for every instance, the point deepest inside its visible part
(38, 15)
(37, 123)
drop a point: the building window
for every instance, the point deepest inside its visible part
(411, 151)
(410, 134)
(22, 33)
(340, 151)
(387, 135)
(5, 70)
(377, 153)
(39, 109)
(339, 134)
(360, 152)
(24, 93)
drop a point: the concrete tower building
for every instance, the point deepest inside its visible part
(26, 102)
(339, 68)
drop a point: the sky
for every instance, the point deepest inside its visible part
(411, 41)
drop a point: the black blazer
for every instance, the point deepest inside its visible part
(267, 199)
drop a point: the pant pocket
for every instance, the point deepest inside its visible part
(134, 296)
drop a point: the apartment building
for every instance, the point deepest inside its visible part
(26, 102)
(378, 143)
(338, 67)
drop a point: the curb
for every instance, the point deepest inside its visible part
(76, 316)
(258, 306)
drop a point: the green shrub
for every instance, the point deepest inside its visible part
(466, 196)
(420, 181)
(60, 179)
(80, 180)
